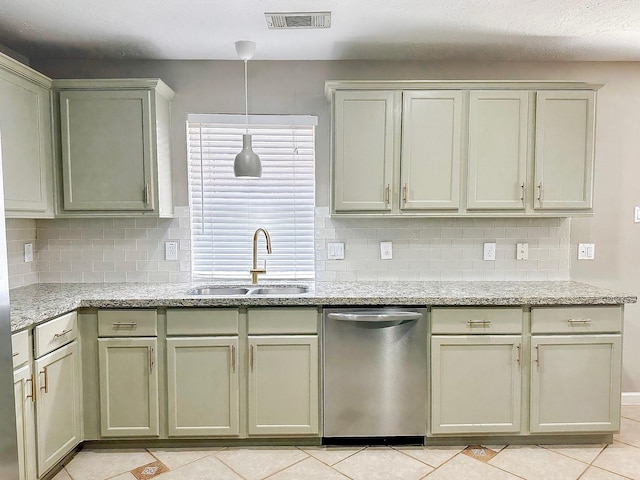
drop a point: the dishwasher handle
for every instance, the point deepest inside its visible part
(393, 316)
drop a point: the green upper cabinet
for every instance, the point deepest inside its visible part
(565, 127)
(366, 131)
(497, 158)
(462, 148)
(26, 140)
(431, 150)
(114, 146)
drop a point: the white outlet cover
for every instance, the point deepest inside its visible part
(586, 251)
(636, 215)
(489, 251)
(28, 252)
(522, 251)
(171, 251)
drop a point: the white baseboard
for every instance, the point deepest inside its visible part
(630, 398)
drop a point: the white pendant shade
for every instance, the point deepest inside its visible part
(247, 163)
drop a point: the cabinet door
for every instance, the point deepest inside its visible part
(27, 156)
(107, 150)
(430, 161)
(565, 123)
(203, 386)
(283, 385)
(575, 383)
(475, 384)
(498, 150)
(59, 405)
(24, 391)
(128, 387)
(366, 131)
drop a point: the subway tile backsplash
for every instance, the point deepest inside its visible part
(442, 248)
(113, 249)
(132, 249)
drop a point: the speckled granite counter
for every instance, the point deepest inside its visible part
(37, 303)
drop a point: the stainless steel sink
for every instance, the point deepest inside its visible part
(241, 291)
(218, 291)
(274, 290)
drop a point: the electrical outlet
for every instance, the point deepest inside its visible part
(522, 251)
(171, 251)
(636, 214)
(28, 252)
(386, 250)
(335, 251)
(490, 251)
(586, 251)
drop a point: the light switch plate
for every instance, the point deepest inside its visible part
(636, 215)
(489, 251)
(28, 252)
(586, 251)
(386, 250)
(335, 251)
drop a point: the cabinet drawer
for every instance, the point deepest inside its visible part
(127, 323)
(55, 333)
(20, 347)
(267, 321)
(202, 321)
(576, 319)
(476, 320)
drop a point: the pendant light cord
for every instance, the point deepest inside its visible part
(246, 100)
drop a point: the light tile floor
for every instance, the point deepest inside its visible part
(620, 460)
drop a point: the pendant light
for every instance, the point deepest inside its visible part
(247, 162)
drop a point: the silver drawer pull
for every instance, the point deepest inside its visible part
(479, 323)
(125, 324)
(15, 354)
(62, 333)
(579, 321)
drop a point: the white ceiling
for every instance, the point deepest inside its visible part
(361, 29)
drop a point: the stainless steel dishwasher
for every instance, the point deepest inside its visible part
(375, 374)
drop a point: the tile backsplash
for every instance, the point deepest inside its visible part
(133, 249)
(442, 248)
(113, 249)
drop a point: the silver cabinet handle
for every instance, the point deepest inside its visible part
(579, 321)
(125, 324)
(62, 333)
(251, 357)
(522, 191)
(151, 362)
(479, 323)
(46, 380)
(233, 358)
(147, 196)
(15, 354)
(539, 197)
(538, 355)
(32, 392)
(519, 351)
(405, 193)
(387, 194)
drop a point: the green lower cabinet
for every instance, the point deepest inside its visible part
(475, 384)
(575, 383)
(128, 387)
(202, 383)
(283, 385)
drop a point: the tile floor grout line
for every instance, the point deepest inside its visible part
(214, 452)
(359, 449)
(548, 447)
(606, 469)
(288, 466)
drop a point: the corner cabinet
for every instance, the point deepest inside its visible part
(114, 138)
(27, 149)
(446, 148)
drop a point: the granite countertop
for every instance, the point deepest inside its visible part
(37, 303)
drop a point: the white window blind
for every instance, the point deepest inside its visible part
(226, 211)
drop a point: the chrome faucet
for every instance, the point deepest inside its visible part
(255, 270)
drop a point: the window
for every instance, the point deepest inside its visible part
(226, 211)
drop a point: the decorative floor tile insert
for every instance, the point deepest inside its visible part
(150, 470)
(479, 452)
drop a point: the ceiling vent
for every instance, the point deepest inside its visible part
(286, 21)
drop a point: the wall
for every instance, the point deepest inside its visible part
(19, 232)
(298, 88)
